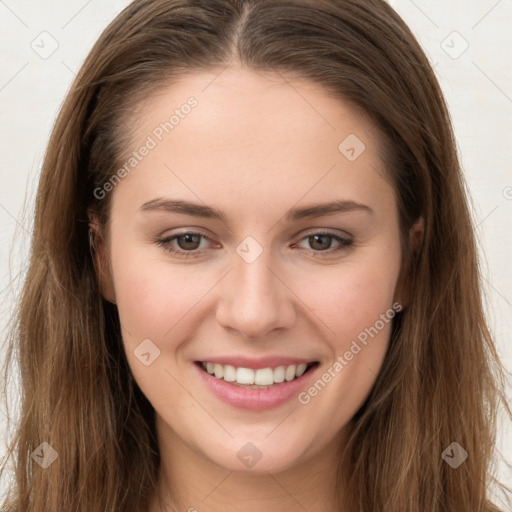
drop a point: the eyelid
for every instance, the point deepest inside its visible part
(168, 237)
(327, 231)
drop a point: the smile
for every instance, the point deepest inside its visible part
(261, 378)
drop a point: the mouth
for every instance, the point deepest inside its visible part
(256, 378)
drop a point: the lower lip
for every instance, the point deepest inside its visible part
(255, 399)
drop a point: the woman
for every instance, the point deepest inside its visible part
(253, 283)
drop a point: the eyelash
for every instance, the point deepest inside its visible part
(165, 243)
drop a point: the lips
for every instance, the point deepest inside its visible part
(252, 396)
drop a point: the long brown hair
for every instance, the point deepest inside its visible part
(441, 381)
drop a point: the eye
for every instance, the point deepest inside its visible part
(188, 243)
(321, 242)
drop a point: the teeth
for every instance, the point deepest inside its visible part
(219, 371)
(289, 374)
(244, 376)
(229, 373)
(264, 377)
(279, 374)
(300, 369)
(260, 377)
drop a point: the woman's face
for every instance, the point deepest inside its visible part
(287, 244)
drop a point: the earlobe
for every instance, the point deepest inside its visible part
(415, 240)
(100, 259)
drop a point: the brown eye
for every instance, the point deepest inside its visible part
(183, 244)
(320, 242)
(189, 241)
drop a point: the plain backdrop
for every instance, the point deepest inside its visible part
(43, 44)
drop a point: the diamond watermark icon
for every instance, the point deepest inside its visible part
(147, 352)
(249, 250)
(352, 147)
(249, 455)
(45, 45)
(454, 45)
(454, 455)
(44, 455)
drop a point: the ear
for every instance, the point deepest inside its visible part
(101, 260)
(415, 241)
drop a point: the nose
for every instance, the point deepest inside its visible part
(254, 299)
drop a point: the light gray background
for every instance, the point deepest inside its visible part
(477, 82)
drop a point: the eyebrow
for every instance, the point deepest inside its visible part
(199, 210)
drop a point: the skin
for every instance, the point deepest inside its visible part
(256, 146)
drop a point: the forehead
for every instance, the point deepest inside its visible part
(253, 106)
(247, 130)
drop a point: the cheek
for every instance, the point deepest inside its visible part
(358, 309)
(349, 298)
(355, 302)
(155, 303)
(153, 300)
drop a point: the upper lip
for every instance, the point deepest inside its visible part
(257, 363)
